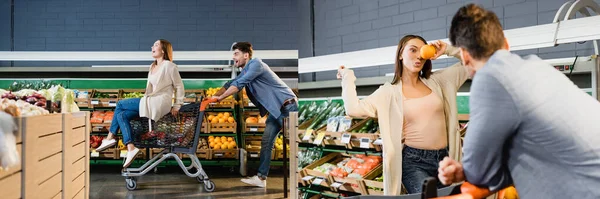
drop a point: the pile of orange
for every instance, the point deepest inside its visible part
(221, 118)
(221, 142)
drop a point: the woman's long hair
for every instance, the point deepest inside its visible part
(167, 48)
(425, 71)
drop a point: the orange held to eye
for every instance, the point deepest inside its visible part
(427, 52)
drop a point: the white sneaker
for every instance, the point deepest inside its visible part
(130, 157)
(106, 144)
(256, 181)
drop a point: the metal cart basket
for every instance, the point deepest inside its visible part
(174, 134)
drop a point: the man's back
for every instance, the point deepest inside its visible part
(553, 137)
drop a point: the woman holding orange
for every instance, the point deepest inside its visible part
(417, 109)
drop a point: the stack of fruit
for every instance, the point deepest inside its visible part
(224, 117)
(95, 141)
(204, 144)
(355, 167)
(213, 91)
(371, 126)
(222, 142)
(256, 119)
(279, 143)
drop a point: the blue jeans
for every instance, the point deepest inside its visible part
(418, 164)
(272, 128)
(126, 110)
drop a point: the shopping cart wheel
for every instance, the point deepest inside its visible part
(210, 186)
(131, 183)
(200, 179)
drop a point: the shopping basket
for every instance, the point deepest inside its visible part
(463, 190)
(174, 134)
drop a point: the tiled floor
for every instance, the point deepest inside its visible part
(106, 182)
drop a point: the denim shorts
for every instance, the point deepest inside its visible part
(419, 164)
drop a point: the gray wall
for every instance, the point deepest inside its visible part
(350, 25)
(134, 25)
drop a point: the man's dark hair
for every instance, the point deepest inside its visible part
(477, 30)
(245, 47)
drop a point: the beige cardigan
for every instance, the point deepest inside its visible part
(157, 104)
(386, 104)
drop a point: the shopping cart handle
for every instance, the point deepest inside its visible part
(469, 191)
(205, 103)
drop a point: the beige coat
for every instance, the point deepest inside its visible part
(157, 104)
(386, 104)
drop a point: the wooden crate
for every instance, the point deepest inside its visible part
(42, 155)
(225, 153)
(197, 93)
(85, 101)
(367, 190)
(356, 185)
(255, 145)
(110, 153)
(10, 179)
(76, 154)
(252, 127)
(218, 127)
(332, 158)
(11, 185)
(202, 154)
(226, 103)
(355, 140)
(222, 128)
(105, 102)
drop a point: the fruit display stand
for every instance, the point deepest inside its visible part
(103, 98)
(76, 155)
(252, 122)
(54, 157)
(221, 122)
(11, 178)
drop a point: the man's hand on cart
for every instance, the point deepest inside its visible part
(450, 171)
(207, 101)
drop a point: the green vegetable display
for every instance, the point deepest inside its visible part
(133, 95)
(371, 126)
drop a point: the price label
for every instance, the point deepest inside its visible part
(112, 103)
(319, 139)
(95, 102)
(307, 178)
(123, 154)
(254, 155)
(253, 129)
(95, 154)
(251, 104)
(307, 135)
(346, 138)
(218, 155)
(364, 143)
(378, 141)
(337, 185)
(317, 181)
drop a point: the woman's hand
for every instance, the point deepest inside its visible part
(339, 74)
(440, 48)
(450, 171)
(174, 111)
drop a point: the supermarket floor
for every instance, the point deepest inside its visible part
(170, 182)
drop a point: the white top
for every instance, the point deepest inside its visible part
(153, 78)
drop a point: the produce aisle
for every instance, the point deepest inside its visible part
(229, 128)
(339, 156)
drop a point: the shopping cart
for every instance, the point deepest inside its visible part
(174, 134)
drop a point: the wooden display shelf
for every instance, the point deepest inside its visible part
(252, 127)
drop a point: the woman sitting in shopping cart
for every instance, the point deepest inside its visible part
(163, 81)
(417, 109)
